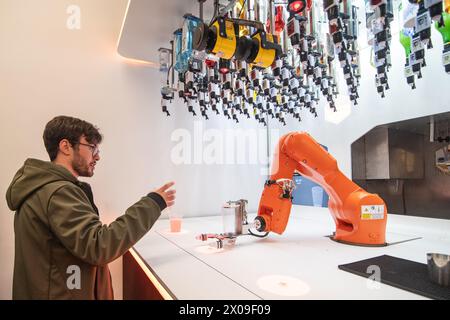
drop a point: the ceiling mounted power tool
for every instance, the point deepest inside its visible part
(219, 38)
(261, 49)
(296, 6)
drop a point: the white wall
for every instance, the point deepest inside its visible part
(48, 70)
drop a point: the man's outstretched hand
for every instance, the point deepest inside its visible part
(166, 193)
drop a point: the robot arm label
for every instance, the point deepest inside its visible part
(372, 212)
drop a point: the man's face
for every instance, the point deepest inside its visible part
(85, 158)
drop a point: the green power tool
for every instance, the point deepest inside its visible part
(443, 26)
(405, 40)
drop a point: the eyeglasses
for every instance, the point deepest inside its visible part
(94, 149)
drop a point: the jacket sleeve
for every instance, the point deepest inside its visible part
(77, 226)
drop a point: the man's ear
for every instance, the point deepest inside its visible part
(64, 147)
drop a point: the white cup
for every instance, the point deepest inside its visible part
(317, 196)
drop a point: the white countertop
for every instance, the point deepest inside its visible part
(192, 269)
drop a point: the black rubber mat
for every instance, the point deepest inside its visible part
(400, 273)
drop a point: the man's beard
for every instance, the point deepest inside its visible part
(81, 167)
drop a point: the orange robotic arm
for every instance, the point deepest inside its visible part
(360, 216)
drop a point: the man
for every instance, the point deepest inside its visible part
(62, 249)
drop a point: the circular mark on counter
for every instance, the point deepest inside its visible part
(208, 249)
(283, 285)
(168, 232)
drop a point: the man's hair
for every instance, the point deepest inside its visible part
(64, 127)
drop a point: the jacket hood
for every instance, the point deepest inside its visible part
(33, 175)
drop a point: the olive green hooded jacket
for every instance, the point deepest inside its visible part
(61, 247)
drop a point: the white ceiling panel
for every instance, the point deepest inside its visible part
(149, 25)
